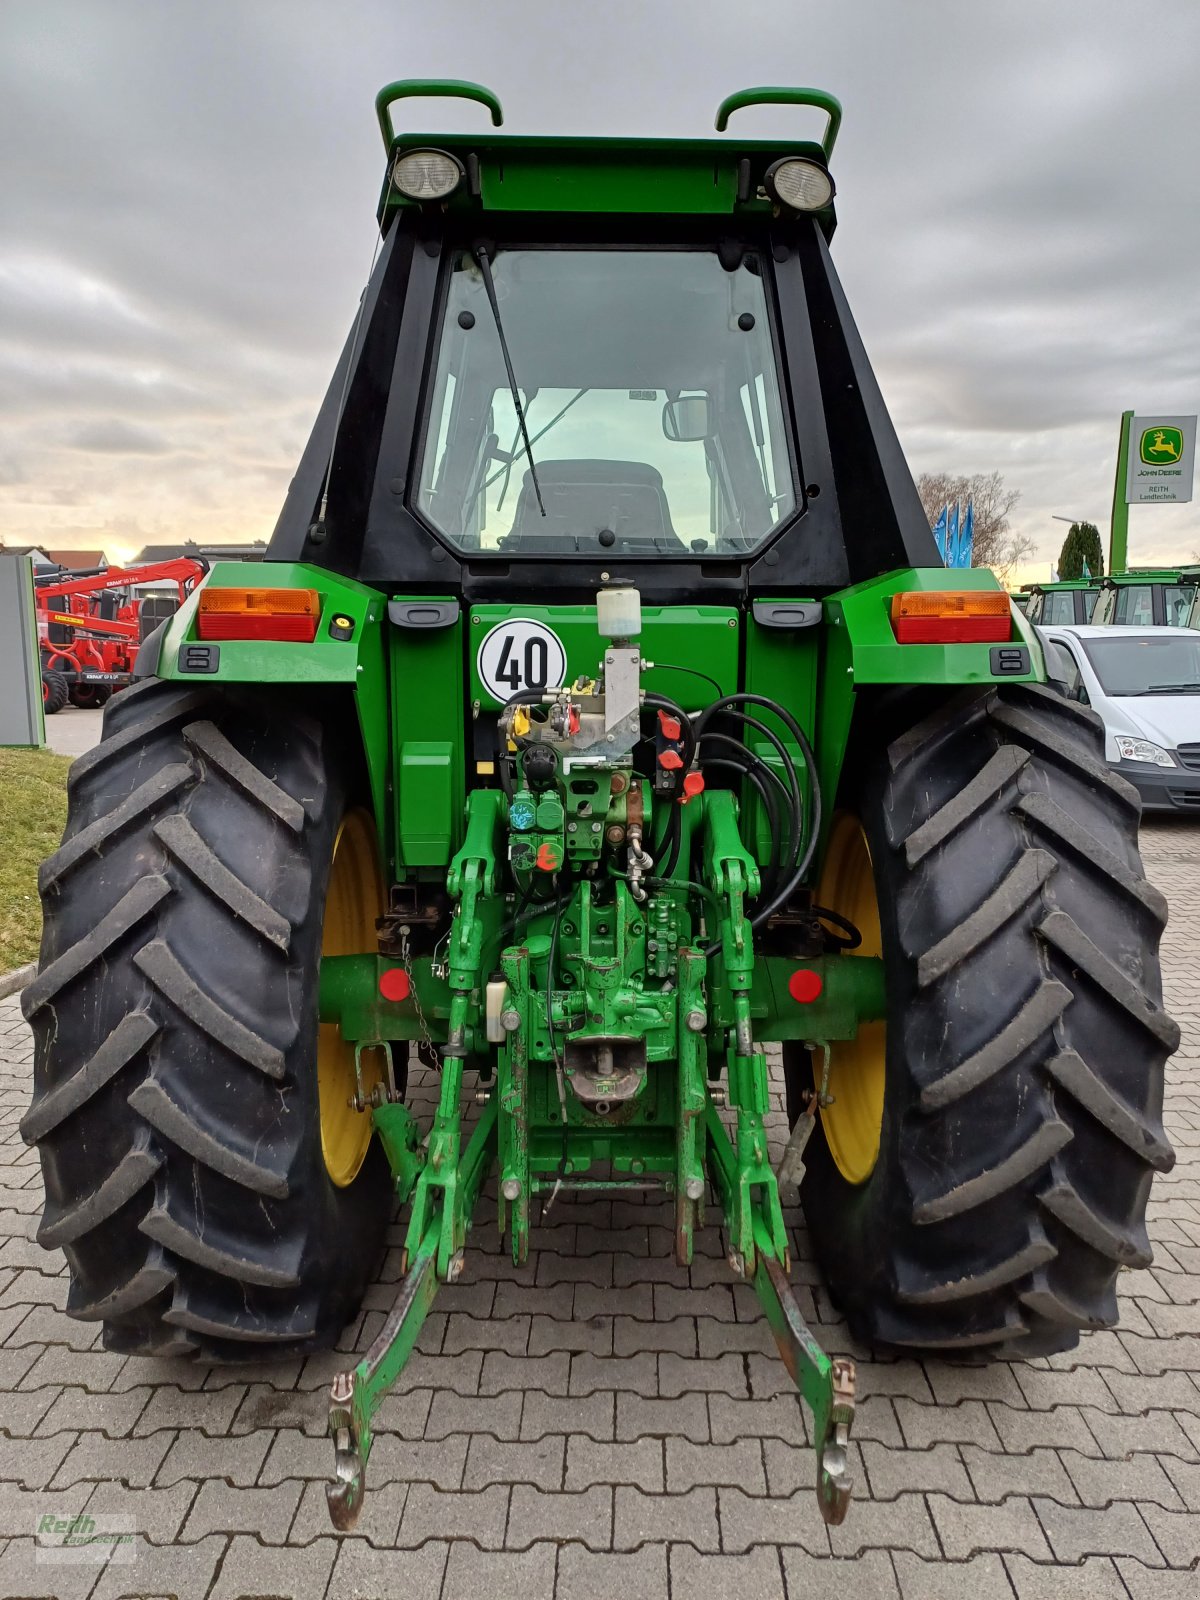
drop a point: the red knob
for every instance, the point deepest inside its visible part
(394, 984)
(671, 760)
(805, 985)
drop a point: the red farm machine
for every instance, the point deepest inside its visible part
(92, 623)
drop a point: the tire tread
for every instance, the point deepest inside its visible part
(1026, 1038)
(175, 1105)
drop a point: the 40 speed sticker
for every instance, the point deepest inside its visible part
(520, 654)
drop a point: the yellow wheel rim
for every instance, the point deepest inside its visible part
(353, 900)
(856, 1080)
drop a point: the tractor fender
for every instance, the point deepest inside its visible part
(862, 653)
(146, 662)
(347, 653)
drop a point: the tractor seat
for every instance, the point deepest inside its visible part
(584, 498)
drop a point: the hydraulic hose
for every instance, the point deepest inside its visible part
(790, 884)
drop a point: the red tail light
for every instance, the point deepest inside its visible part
(288, 614)
(958, 616)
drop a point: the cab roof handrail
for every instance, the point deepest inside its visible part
(431, 88)
(780, 96)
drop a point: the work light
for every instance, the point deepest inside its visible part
(426, 174)
(802, 185)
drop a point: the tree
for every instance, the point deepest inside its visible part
(995, 546)
(1081, 544)
(1018, 549)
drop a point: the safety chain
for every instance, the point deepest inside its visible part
(791, 1164)
(406, 963)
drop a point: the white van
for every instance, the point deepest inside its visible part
(1145, 684)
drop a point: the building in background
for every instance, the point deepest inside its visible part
(200, 552)
(35, 553)
(42, 556)
(79, 560)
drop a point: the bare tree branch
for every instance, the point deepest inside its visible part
(994, 546)
(1018, 549)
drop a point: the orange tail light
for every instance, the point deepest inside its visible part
(290, 614)
(952, 616)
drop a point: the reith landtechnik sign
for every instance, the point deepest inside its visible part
(1162, 455)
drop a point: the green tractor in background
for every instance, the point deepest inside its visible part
(1138, 597)
(602, 716)
(1149, 596)
(1066, 600)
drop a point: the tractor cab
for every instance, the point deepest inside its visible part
(1149, 597)
(583, 355)
(1070, 601)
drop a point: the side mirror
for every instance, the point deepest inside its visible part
(688, 419)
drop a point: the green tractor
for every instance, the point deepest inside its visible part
(1067, 600)
(602, 720)
(1148, 596)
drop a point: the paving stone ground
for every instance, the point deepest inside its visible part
(603, 1423)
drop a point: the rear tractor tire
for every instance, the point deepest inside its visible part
(983, 1171)
(210, 1189)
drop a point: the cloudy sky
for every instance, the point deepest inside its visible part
(187, 196)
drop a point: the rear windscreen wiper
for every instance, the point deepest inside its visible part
(540, 434)
(489, 285)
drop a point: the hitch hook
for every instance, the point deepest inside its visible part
(834, 1482)
(345, 1494)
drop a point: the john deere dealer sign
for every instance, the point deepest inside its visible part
(1162, 456)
